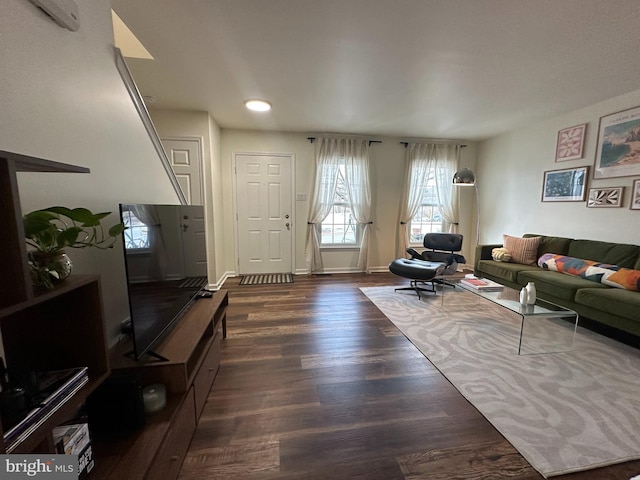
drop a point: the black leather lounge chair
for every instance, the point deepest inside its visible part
(429, 267)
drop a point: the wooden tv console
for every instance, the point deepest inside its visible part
(157, 450)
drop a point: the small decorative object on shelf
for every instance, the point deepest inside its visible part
(523, 296)
(49, 231)
(531, 293)
(49, 267)
(154, 397)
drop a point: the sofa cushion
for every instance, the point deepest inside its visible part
(507, 271)
(624, 303)
(556, 284)
(559, 245)
(604, 273)
(619, 254)
(522, 250)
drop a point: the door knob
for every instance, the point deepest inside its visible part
(287, 225)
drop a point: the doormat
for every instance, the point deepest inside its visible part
(267, 279)
(194, 282)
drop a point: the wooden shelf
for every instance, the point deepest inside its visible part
(15, 286)
(39, 440)
(64, 328)
(25, 163)
(50, 329)
(57, 330)
(42, 296)
(193, 348)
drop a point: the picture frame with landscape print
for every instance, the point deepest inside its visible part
(618, 150)
(635, 195)
(566, 185)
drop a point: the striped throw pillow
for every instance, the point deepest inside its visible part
(522, 250)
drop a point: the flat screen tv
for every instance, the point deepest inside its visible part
(166, 268)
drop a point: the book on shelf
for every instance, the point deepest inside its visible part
(74, 439)
(54, 388)
(482, 284)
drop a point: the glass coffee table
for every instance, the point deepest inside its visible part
(544, 327)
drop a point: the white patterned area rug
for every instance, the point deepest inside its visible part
(564, 412)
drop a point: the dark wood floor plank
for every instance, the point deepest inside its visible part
(316, 383)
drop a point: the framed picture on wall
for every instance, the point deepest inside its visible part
(570, 143)
(605, 197)
(618, 150)
(635, 195)
(567, 185)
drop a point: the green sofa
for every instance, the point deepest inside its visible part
(599, 303)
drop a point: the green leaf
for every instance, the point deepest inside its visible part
(64, 211)
(49, 229)
(68, 236)
(36, 222)
(80, 215)
(116, 230)
(47, 238)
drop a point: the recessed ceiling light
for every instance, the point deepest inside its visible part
(258, 105)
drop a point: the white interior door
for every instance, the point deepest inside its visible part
(193, 243)
(186, 162)
(263, 213)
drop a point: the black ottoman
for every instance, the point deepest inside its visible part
(418, 271)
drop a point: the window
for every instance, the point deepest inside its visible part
(428, 218)
(136, 235)
(339, 227)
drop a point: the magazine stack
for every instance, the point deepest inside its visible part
(51, 390)
(481, 284)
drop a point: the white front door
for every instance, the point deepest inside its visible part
(186, 162)
(263, 213)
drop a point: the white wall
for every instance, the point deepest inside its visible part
(387, 161)
(511, 170)
(245, 141)
(179, 123)
(63, 99)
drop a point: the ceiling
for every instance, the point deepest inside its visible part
(440, 69)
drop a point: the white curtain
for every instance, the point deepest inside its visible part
(356, 161)
(422, 159)
(416, 174)
(326, 176)
(330, 154)
(447, 159)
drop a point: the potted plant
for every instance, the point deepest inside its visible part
(49, 231)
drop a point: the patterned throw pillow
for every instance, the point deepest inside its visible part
(604, 273)
(522, 250)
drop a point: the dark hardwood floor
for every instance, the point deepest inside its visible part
(316, 383)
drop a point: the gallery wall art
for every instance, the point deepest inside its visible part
(605, 197)
(567, 185)
(570, 144)
(635, 195)
(618, 150)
